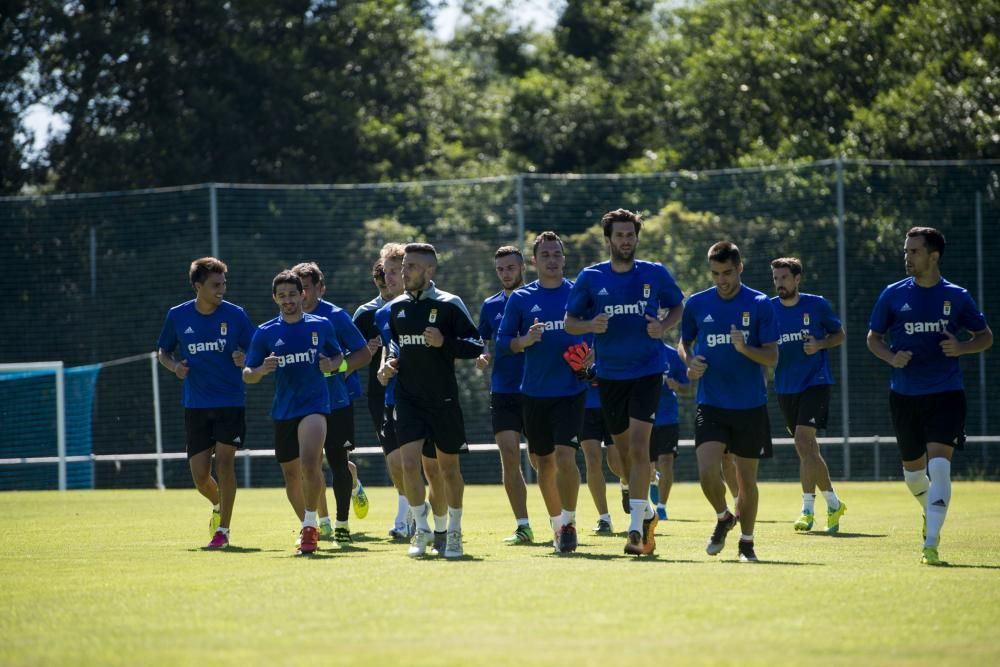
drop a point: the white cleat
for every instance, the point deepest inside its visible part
(423, 539)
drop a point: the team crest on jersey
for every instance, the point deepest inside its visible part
(947, 307)
(224, 328)
(746, 318)
(432, 318)
(645, 290)
(805, 319)
(315, 337)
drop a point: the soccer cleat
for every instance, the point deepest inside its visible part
(219, 541)
(633, 546)
(625, 501)
(420, 542)
(400, 532)
(649, 535)
(214, 523)
(342, 536)
(833, 518)
(603, 527)
(522, 535)
(325, 530)
(440, 542)
(567, 538)
(360, 501)
(661, 512)
(923, 533)
(654, 489)
(747, 554)
(805, 522)
(453, 545)
(930, 557)
(718, 539)
(308, 539)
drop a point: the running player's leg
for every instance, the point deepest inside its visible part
(201, 475)
(312, 435)
(225, 469)
(939, 492)
(292, 472)
(596, 483)
(509, 444)
(732, 483)
(710, 457)
(339, 434)
(746, 474)
(665, 466)
(547, 484)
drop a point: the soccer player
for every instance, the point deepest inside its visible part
(728, 337)
(619, 301)
(553, 393)
(340, 421)
(663, 443)
(923, 315)
(212, 335)
(807, 328)
(431, 328)
(505, 391)
(387, 276)
(299, 348)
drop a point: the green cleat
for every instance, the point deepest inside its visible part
(930, 557)
(523, 535)
(833, 518)
(214, 523)
(360, 501)
(805, 522)
(325, 530)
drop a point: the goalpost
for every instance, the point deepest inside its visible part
(17, 370)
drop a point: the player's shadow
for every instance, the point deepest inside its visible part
(316, 555)
(349, 548)
(769, 561)
(464, 558)
(232, 550)
(365, 537)
(964, 566)
(845, 536)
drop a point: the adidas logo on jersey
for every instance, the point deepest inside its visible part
(708, 318)
(279, 342)
(602, 292)
(189, 330)
(905, 308)
(499, 316)
(536, 309)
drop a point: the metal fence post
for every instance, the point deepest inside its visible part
(981, 291)
(845, 399)
(213, 218)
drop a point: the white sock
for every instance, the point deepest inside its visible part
(324, 519)
(639, 508)
(342, 524)
(624, 486)
(722, 515)
(746, 538)
(310, 520)
(216, 507)
(354, 489)
(556, 522)
(523, 522)
(402, 504)
(832, 501)
(918, 484)
(455, 519)
(568, 517)
(938, 499)
(223, 530)
(661, 506)
(808, 503)
(605, 517)
(440, 523)
(420, 516)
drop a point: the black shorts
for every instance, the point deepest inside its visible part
(340, 429)
(505, 409)
(594, 427)
(551, 421)
(286, 438)
(663, 440)
(377, 415)
(925, 418)
(746, 433)
(387, 430)
(811, 407)
(206, 426)
(442, 423)
(622, 400)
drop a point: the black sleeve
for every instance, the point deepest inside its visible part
(465, 342)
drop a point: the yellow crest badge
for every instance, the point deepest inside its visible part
(645, 290)
(746, 318)
(805, 319)
(315, 337)
(432, 318)
(947, 307)
(223, 329)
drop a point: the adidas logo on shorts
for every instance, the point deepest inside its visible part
(237, 440)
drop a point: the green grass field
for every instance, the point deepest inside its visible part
(118, 577)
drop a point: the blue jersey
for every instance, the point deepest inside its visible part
(350, 340)
(625, 351)
(667, 411)
(299, 386)
(916, 318)
(796, 370)
(385, 331)
(731, 380)
(546, 373)
(508, 369)
(207, 343)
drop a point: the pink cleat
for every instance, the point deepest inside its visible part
(219, 541)
(308, 539)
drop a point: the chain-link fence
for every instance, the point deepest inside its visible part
(91, 277)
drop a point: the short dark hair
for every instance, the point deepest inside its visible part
(793, 264)
(378, 273)
(724, 251)
(203, 266)
(933, 238)
(286, 276)
(508, 250)
(620, 215)
(542, 238)
(309, 270)
(422, 249)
